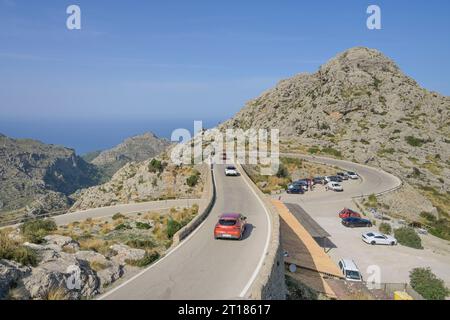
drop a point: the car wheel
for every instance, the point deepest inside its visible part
(373, 243)
(392, 243)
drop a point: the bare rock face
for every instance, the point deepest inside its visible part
(10, 273)
(125, 253)
(362, 105)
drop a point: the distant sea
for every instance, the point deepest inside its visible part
(92, 135)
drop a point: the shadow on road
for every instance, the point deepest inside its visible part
(248, 231)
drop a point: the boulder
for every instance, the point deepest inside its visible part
(124, 253)
(107, 271)
(65, 277)
(62, 242)
(10, 273)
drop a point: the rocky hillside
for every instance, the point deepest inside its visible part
(37, 177)
(138, 148)
(153, 179)
(360, 106)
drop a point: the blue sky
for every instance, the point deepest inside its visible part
(159, 61)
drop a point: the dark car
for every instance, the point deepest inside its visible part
(319, 180)
(342, 175)
(354, 222)
(295, 190)
(336, 179)
(299, 184)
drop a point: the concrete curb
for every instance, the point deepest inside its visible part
(269, 283)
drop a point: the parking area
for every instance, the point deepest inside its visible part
(394, 262)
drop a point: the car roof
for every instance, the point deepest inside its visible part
(375, 234)
(230, 216)
(349, 265)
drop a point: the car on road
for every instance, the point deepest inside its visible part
(374, 238)
(295, 190)
(333, 179)
(230, 226)
(342, 175)
(352, 175)
(348, 213)
(231, 171)
(354, 222)
(349, 270)
(334, 186)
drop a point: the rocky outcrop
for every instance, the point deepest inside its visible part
(135, 149)
(145, 181)
(124, 253)
(360, 106)
(10, 274)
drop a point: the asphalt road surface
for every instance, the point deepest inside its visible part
(204, 268)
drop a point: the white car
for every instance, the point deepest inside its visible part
(335, 187)
(349, 270)
(352, 175)
(374, 238)
(231, 171)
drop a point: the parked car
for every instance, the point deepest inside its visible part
(299, 183)
(230, 226)
(231, 171)
(348, 213)
(295, 190)
(349, 270)
(319, 180)
(352, 175)
(335, 187)
(354, 222)
(342, 175)
(374, 238)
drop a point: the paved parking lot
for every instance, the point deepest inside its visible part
(395, 263)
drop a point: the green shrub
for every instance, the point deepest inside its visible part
(143, 226)
(282, 172)
(425, 282)
(193, 179)
(156, 166)
(415, 142)
(385, 228)
(35, 230)
(428, 216)
(148, 259)
(118, 216)
(11, 250)
(408, 237)
(122, 226)
(313, 150)
(172, 228)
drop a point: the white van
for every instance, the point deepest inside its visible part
(349, 270)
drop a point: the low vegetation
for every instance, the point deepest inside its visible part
(406, 236)
(34, 231)
(385, 228)
(192, 180)
(15, 251)
(425, 282)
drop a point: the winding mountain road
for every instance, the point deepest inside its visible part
(204, 268)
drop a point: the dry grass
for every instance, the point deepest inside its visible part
(95, 244)
(56, 294)
(97, 266)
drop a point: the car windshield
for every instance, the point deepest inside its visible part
(352, 275)
(351, 173)
(227, 222)
(231, 168)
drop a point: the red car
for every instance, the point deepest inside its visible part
(348, 213)
(230, 226)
